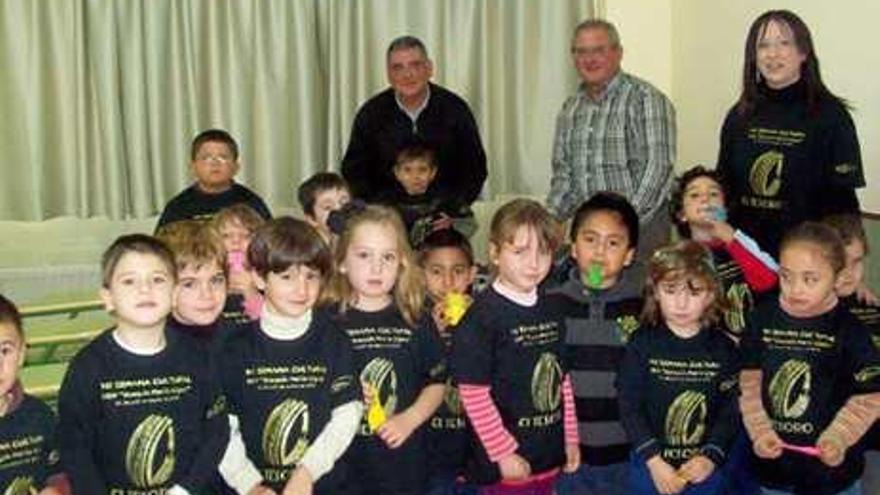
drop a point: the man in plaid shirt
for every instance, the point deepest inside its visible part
(617, 133)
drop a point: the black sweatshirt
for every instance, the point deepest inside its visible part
(811, 367)
(399, 360)
(869, 315)
(194, 204)
(518, 351)
(678, 396)
(381, 130)
(28, 447)
(783, 166)
(284, 392)
(135, 424)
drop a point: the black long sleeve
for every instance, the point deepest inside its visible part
(631, 382)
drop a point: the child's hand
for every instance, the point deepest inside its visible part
(768, 445)
(397, 429)
(443, 221)
(514, 467)
(831, 450)
(697, 469)
(299, 483)
(572, 458)
(242, 283)
(439, 317)
(866, 295)
(666, 479)
(261, 490)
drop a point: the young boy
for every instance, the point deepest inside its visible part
(28, 450)
(855, 246)
(140, 408)
(447, 259)
(423, 208)
(601, 302)
(319, 195)
(201, 277)
(214, 162)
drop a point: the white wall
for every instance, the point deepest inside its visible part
(645, 28)
(707, 56)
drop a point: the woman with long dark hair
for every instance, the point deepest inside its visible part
(789, 150)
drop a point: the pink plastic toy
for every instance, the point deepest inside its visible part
(813, 451)
(235, 260)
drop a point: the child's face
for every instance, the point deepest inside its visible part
(214, 167)
(292, 292)
(201, 294)
(806, 279)
(522, 263)
(235, 236)
(415, 176)
(12, 354)
(683, 302)
(327, 201)
(447, 269)
(372, 261)
(700, 196)
(603, 239)
(140, 292)
(854, 270)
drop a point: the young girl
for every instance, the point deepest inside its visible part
(236, 225)
(140, 409)
(290, 379)
(699, 211)
(507, 360)
(27, 426)
(379, 291)
(677, 382)
(810, 386)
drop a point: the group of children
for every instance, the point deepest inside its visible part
(334, 356)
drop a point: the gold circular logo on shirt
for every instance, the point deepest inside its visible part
(790, 389)
(23, 485)
(451, 398)
(686, 419)
(285, 434)
(765, 177)
(149, 458)
(547, 383)
(379, 373)
(739, 298)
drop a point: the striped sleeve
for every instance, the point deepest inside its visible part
(569, 417)
(486, 420)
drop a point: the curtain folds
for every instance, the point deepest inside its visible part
(100, 98)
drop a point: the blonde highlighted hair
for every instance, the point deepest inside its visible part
(525, 213)
(684, 261)
(409, 289)
(246, 216)
(194, 244)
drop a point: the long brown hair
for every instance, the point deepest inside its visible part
(409, 290)
(750, 97)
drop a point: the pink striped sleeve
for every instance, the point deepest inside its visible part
(569, 416)
(486, 419)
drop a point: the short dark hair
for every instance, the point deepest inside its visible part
(9, 314)
(445, 238)
(610, 202)
(849, 227)
(308, 191)
(135, 243)
(406, 42)
(676, 200)
(213, 136)
(285, 242)
(416, 152)
(822, 236)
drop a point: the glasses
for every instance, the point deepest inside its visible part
(221, 159)
(592, 51)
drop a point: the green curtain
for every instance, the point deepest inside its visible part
(100, 98)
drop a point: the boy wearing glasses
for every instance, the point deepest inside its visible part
(214, 163)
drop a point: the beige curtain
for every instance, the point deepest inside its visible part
(100, 98)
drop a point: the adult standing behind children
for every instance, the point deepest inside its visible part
(414, 109)
(214, 162)
(616, 133)
(789, 151)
